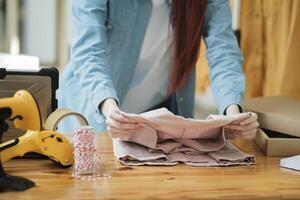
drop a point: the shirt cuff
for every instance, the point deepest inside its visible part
(105, 93)
(239, 106)
(229, 100)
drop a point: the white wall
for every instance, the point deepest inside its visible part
(38, 32)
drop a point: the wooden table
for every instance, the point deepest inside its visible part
(262, 181)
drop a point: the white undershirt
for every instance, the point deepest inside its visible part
(151, 77)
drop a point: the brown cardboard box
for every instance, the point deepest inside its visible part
(279, 118)
(275, 144)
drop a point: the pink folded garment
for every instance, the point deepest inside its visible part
(167, 139)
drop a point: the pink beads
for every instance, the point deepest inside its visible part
(86, 156)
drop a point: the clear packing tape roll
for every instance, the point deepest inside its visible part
(58, 115)
(86, 156)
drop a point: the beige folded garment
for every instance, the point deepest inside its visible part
(167, 139)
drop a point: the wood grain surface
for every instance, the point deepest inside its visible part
(262, 181)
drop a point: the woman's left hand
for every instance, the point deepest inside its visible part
(247, 128)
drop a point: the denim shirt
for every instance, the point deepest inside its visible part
(107, 36)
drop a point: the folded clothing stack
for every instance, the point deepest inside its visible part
(167, 139)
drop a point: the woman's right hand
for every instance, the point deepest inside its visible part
(118, 126)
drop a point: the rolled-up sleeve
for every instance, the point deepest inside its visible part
(89, 50)
(224, 56)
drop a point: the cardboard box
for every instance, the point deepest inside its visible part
(275, 144)
(279, 119)
(277, 113)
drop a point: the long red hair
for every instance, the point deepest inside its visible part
(187, 21)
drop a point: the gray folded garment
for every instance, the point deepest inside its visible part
(167, 139)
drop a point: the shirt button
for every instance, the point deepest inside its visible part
(108, 24)
(181, 99)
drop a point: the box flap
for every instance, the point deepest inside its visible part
(277, 113)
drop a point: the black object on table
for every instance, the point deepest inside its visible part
(8, 182)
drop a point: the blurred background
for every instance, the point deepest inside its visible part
(36, 27)
(269, 37)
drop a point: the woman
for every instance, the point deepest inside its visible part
(138, 55)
